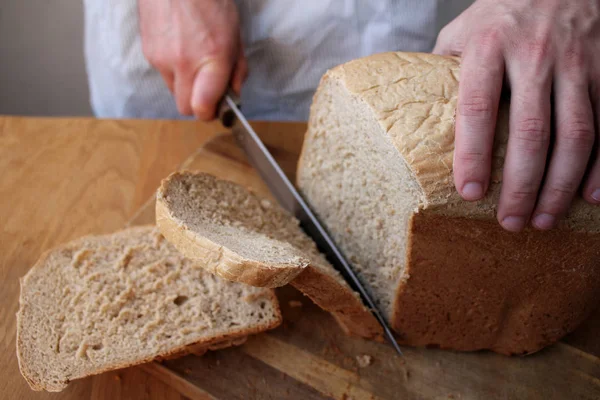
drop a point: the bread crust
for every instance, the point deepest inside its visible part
(522, 303)
(424, 137)
(219, 259)
(345, 305)
(466, 287)
(234, 337)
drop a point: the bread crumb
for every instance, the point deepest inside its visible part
(187, 371)
(295, 303)
(364, 360)
(266, 204)
(117, 377)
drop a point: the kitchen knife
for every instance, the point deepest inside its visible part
(287, 195)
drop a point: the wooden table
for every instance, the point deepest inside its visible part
(64, 178)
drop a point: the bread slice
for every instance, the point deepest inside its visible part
(242, 237)
(107, 302)
(376, 166)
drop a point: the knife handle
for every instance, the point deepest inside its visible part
(224, 112)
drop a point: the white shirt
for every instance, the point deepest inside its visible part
(288, 44)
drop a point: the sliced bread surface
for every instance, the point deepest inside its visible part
(376, 166)
(240, 236)
(107, 302)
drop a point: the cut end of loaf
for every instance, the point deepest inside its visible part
(112, 301)
(245, 238)
(360, 186)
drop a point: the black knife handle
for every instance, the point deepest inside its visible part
(224, 111)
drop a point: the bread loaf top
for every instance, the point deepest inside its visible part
(413, 97)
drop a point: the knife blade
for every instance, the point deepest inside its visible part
(287, 195)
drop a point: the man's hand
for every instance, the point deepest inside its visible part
(550, 53)
(195, 44)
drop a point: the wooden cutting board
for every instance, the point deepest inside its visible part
(310, 358)
(64, 178)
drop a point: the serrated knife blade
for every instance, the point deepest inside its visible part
(291, 200)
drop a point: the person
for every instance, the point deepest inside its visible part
(177, 58)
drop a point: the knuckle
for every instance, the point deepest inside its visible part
(579, 139)
(562, 189)
(444, 34)
(181, 61)
(476, 104)
(490, 37)
(578, 134)
(538, 49)
(472, 156)
(556, 198)
(573, 58)
(532, 135)
(522, 195)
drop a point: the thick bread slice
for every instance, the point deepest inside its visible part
(376, 165)
(242, 237)
(112, 301)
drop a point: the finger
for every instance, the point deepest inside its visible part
(572, 149)
(482, 72)
(210, 84)
(169, 79)
(183, 92)
(529, 136)
(240, 73)
(591, 191)
(591, 188)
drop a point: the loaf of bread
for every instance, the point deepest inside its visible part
(242, 237)
(107, 302)
(376, 166)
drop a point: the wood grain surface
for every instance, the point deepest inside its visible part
(309, 356)
(63, 178)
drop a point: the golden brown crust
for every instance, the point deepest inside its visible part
(218, 259)
(411, 104)
(345, 305)
(471, 285)
(414, 97)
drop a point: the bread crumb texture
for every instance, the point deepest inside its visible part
(240, 236)
(111, 301)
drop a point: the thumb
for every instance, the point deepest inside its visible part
(210, 84)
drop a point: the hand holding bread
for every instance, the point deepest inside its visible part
(548, 52)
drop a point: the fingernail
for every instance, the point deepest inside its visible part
(472, 191)
(513, 224)
(596, 195)
(544, 221)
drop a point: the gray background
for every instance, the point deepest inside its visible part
(42, 69)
